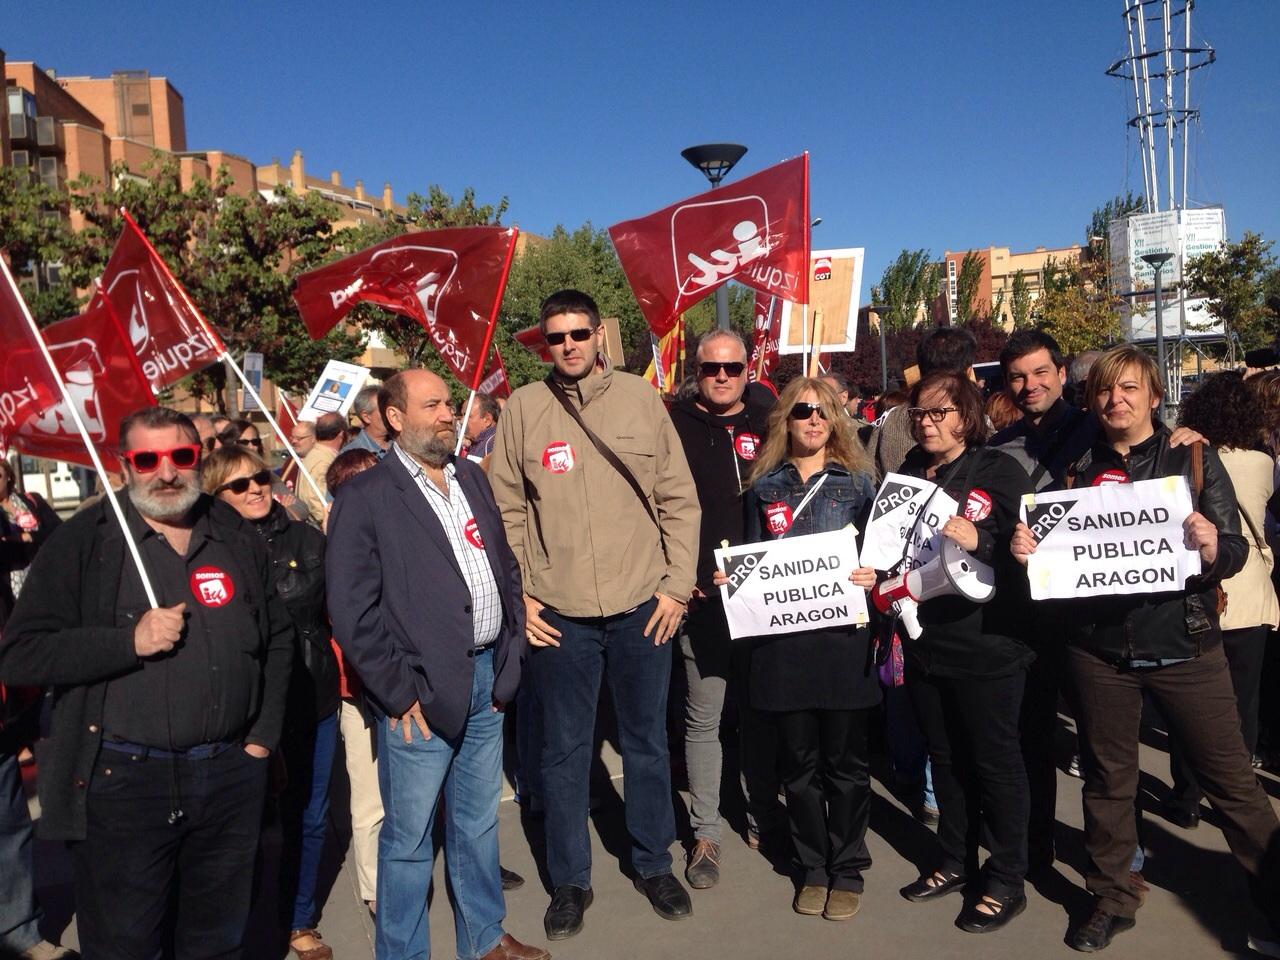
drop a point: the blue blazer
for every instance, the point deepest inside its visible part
(400, 608)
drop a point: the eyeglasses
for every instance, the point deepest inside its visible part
(301, 438)
(254, 442)
(936, 414)
(148, 461)
(579, 335)
(240, 484)
(803, 411)
(709, 369)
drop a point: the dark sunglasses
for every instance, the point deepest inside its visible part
(709, 369)
(936, 414)
(240, 484)
(148, 461)
(255, 443)
(579, 335)
(803, 411)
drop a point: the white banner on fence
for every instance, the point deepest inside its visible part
(335, 391)
(1118, 538)
(793, 584)
(893, 516)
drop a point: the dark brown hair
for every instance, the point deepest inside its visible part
(963, 395)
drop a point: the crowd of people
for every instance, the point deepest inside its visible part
(219, 646)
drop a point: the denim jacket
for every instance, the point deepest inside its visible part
(844, 498)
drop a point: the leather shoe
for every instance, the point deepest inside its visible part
(1181, 816)
(1098, 931)
(703, 870)
(923, 890)
(509, 948)
(563, 918)
(973, 920)
(510, 879)
(668, 898)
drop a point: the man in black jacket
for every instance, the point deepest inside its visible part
(720, 434)
(1167, 645)
(163, 718)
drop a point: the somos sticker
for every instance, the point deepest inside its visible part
(212, 587)
(558, 457)
(746, 444)
(978, 506)
(472, 532)
(778, 517)
(1110, 476)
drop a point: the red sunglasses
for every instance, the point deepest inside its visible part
(148, 461)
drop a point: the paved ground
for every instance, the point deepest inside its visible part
(1195, 908)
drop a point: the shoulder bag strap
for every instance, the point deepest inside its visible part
(610, 457)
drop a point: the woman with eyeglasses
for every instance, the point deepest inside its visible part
(817, 686)
(241, 478)
(966, 672)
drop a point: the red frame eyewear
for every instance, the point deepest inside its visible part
(148, 461)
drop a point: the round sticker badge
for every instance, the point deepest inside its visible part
(778, 517)
(978, 506)
(472, 532)
(212, 587)
(26, 521)
(1110, 476)
(746, 444)
(558, 457)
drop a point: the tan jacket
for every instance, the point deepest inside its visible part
(316, 463)
(585, 544)
(1251, 596)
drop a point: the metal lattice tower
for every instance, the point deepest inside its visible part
(1154, 66)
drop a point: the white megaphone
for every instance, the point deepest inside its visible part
(953, 571)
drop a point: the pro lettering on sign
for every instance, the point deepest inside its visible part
(907, 512)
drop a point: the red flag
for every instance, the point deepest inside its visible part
(755, 231)
(495, 382)
(764, 343)
(531, 339)
(104, 378)
(27, 388)
(450, 281)
(286, 412)
(170, 337)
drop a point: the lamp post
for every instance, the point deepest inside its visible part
(880, 309)
(715, 160)
(1157, 261)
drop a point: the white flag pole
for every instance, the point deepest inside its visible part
(74, 410)
(466, 415)
(657, 362)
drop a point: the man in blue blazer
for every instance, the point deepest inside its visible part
(425, 600)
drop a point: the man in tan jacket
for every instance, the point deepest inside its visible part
(608, 562)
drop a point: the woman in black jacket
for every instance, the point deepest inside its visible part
(966, 672)
(240, 477)
(1167, 645)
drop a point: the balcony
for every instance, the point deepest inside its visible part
(22, 129)
(49, 136)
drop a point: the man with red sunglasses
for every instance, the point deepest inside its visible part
(155, 771)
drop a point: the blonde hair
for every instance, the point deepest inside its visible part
(843, 446)
(223, 462)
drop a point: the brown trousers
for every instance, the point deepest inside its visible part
(1197, 700)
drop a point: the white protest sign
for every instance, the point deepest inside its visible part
(1117, 538)
(252, 367)
(792, 584)
(335, 391)
(893, 516)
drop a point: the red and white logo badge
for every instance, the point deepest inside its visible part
(472, 532)
(1110, 476)
(778, 517)
(212, 587)
(706, 253)
(978, 506)
(746, 444)
(822, 268)
(26, 521)
(558, 457)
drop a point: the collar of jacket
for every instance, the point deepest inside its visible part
(275, 522)
(788, 470)
(589, 387)
(1103, 451)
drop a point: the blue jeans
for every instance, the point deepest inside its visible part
(466, 772)
(308, 756)
(568, 678)
(19, 913)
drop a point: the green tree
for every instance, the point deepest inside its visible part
(907, 284)
(1020, 301)
(37, 237)
(968, 280)
(1235, 280)
(1080, 313)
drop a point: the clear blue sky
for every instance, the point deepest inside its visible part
(938, 124)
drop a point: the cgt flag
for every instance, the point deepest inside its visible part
(104, 378)
(450, 281)
(755, 231)
(169, 337)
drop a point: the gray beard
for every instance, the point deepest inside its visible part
(165, 511)
(430, 449)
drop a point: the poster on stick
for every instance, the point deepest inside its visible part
(793, 584)
(835, 288)
(335, 391)
(1118, 538)
(907, 513)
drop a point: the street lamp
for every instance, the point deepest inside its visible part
(1157, 261)
(715, 160)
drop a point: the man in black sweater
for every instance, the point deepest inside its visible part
(155, 771)
(720, 434)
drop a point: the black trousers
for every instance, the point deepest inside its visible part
(1046, 680)
(979, 777)
(1245, 650)
(137, 875)
(1196, 699)
(822, 762)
